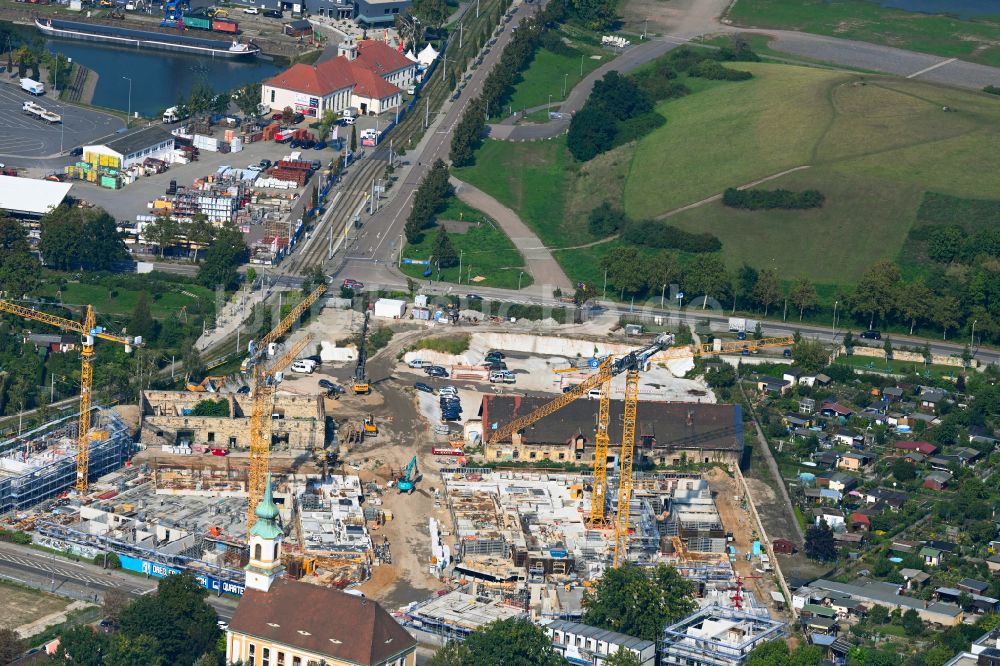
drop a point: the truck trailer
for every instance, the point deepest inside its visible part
(741, 325)
(38, 111)
(32, 86)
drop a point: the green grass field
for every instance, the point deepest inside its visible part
(873, 146)
(897, 367)
(975, 40)
(549, 74)
(484, 248)
(124, 302)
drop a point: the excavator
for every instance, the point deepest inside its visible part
(360, 384)
(408, 481)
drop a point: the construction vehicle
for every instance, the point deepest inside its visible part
(261, 413)
(408, 481)
(210, 384)
(360, 384)
(371, 428)
(88, 330)
(258, 348)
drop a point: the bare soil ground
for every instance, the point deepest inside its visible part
(22, 606)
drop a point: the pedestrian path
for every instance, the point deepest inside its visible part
(541, 265)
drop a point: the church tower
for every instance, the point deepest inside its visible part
(265, 545)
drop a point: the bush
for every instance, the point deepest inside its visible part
(638, 127)
(554, 43)
(656, 234)
(211, 408)
(378, 339)
(15, 536)
(753, 199)
(606, 220)
(710, 69)
(993, 90)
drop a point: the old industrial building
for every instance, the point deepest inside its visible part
(299, 422)
(667, 433)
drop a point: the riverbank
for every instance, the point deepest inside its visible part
(267, 36)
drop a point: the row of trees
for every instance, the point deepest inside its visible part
(497, 87)
(87, 238)
(756, 199)
(428, 201)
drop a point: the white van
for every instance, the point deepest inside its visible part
(303, 366)
(419, 363)
(594, 394)
(348, 120)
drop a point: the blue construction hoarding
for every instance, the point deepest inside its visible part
(159, 570)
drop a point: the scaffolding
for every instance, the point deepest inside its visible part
(41, 464)
(717, 636)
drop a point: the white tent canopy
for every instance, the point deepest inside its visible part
(427, 56)
(409, 54)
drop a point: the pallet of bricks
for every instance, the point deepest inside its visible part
(287, 171)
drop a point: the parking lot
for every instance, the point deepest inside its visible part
(24, 137)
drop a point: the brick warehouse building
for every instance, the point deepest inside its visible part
(667, 433)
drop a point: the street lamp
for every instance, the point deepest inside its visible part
(519, 280)
(833, 328)
(565, 78)
(972, 338)
(128, 118)
(548, 107)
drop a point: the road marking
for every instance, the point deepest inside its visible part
(927, 69)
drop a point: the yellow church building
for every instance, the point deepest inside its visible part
(283, 622)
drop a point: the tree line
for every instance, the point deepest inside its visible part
(605, 220)
(428, 200)
(499, 84)
(757, 199)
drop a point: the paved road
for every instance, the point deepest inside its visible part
(79, 580)
(27, 141)
(539, 261)
(378, 241)
(701, 18)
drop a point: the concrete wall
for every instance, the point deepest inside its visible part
(909, 357)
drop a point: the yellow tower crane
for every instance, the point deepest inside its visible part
(262, 411)
(88, 331)
(262, 397)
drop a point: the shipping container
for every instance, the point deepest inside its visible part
(225, 26)
(198, 22)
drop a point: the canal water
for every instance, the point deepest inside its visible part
(159, 78)
(964, 9)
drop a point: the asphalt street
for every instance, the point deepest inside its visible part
(31, 142)
(80, 580)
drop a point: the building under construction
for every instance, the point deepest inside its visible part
(41, 464)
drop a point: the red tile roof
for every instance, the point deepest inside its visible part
(369, 84)
(925, 448)
(321, 80)
(381, 58)
(321, 620)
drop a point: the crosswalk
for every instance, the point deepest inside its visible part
(61, 571)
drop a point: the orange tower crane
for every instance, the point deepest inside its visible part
(88, 331)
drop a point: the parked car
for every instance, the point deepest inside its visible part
(303, 366)
(449, 391)
(319, 145)
(495, 365)
(872, 335)
(243, 390)
(474, 297)
(353, 284)
(250, 10)
(420, 386)
(419, 363)
(277, 116)
(265, 164)
(76, 152)
(502, 377)
(436, 371)
(495, 352)
(327, 384)
(273, 13)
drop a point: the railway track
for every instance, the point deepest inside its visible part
(347, 197)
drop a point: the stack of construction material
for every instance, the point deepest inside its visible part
(291, 171)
